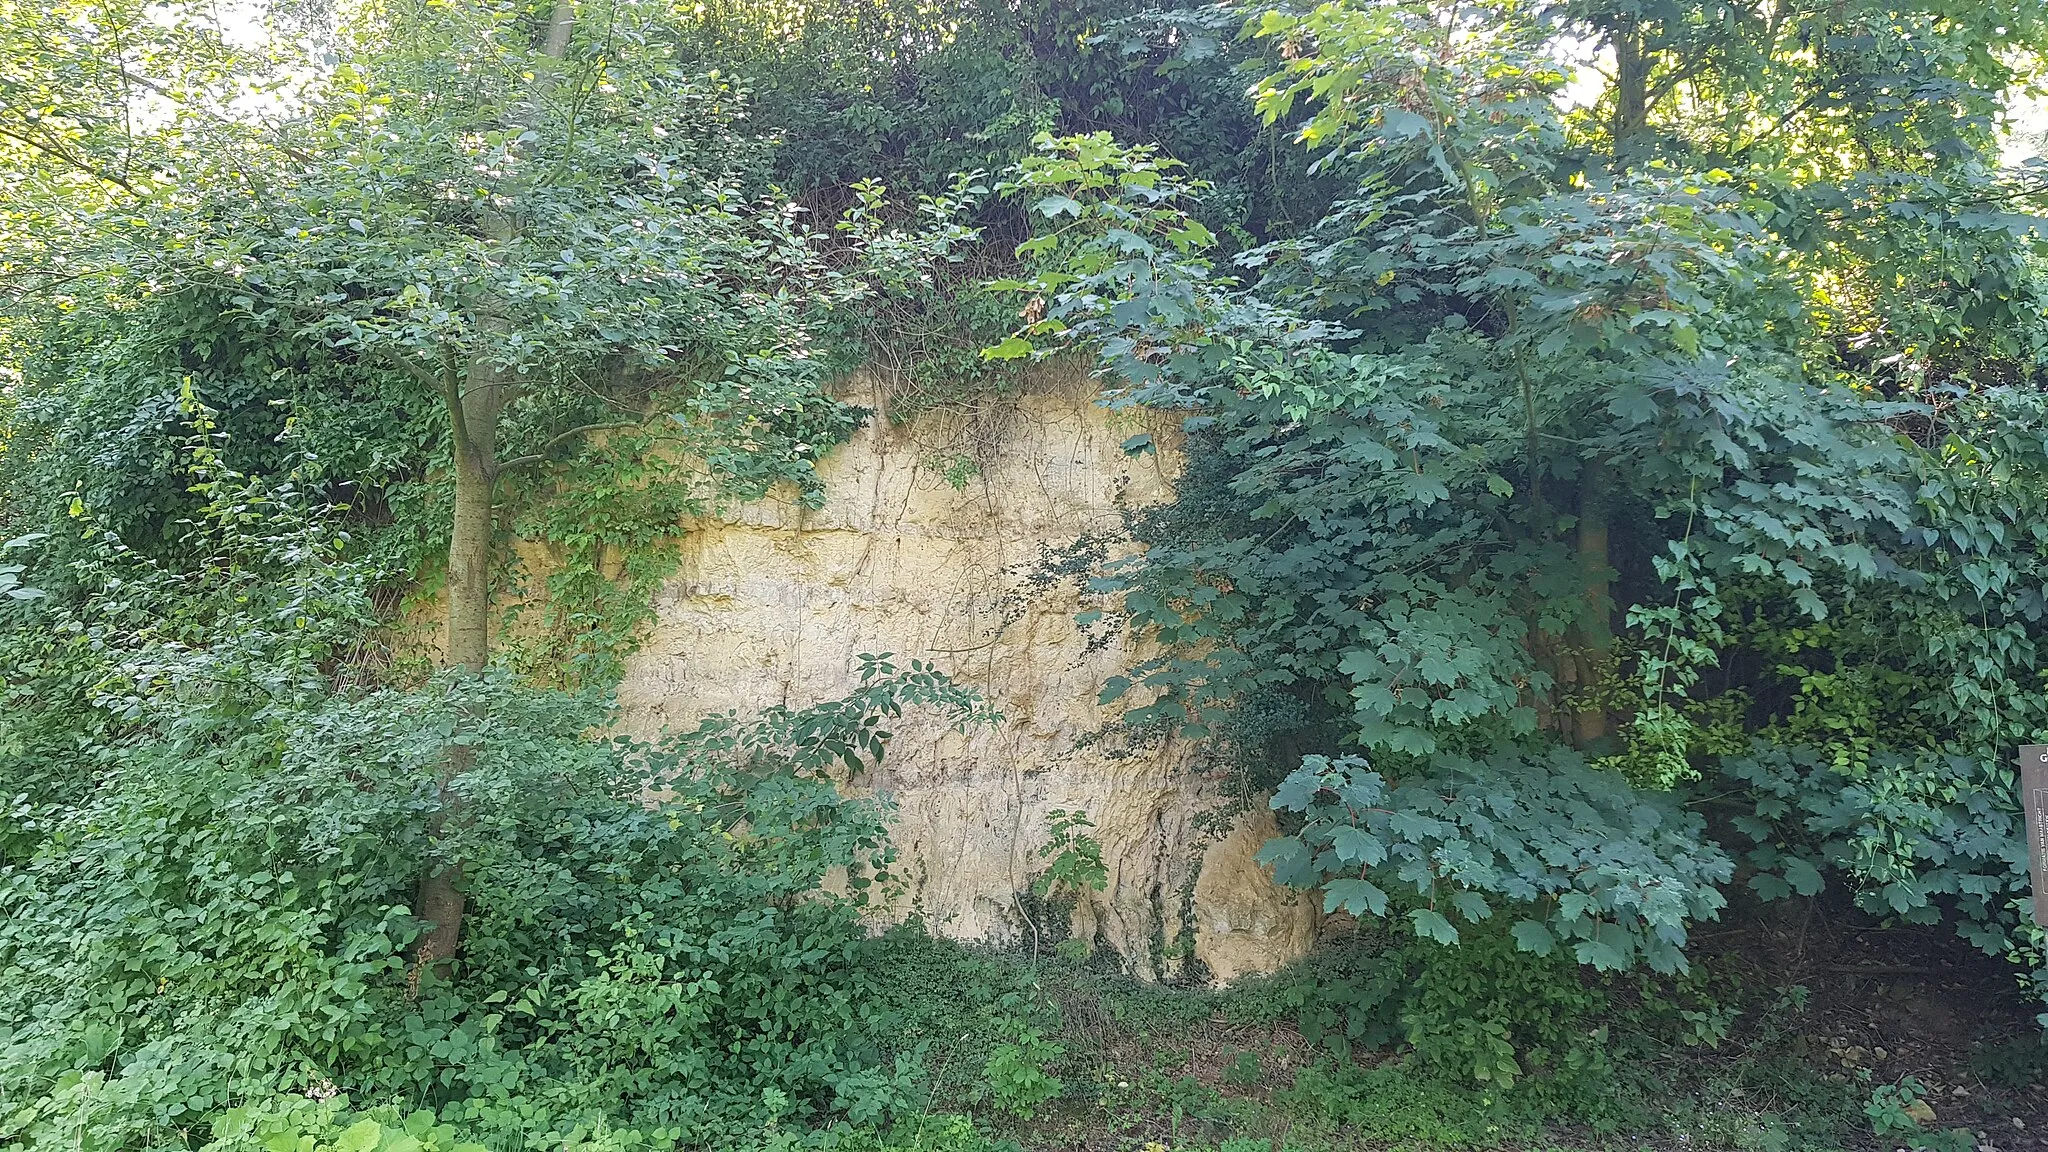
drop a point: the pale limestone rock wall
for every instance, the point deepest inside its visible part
(774, 605)
(1243, 921)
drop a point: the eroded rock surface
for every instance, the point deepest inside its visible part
(774, 607)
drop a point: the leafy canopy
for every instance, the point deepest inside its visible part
(1576, 454)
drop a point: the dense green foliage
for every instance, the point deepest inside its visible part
(224, 916)
(1609, 495)
(1561, 445)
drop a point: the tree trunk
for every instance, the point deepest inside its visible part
(1596, 629)
(441, 905)
(473, 417)
(474, 406)
(1631, 85)
(475, 402)
(469, 566)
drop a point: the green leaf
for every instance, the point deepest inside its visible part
(1603, 956)
(1357, 897)
(1803, 877)
(1400, 124)
(1429, 925)
(1058, 206)
(1357, 847)
(1533, 936)
(362, 1136)
(1011, 348)
(1471, 905)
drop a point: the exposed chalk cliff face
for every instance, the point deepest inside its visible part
(774, 605)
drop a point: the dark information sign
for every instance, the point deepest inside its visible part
(2034, 798)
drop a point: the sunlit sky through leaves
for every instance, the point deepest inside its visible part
(243, 23)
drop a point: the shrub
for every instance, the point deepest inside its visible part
(219, 911)
(230, 917)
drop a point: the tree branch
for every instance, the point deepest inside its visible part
(557, 440)
(50, 280)
(1674, 78)
(417, 371)
(1793, 114)
(50, 149)
(450, 388)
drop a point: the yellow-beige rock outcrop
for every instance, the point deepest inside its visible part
(773, 605)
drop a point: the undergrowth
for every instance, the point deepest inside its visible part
(207, 930)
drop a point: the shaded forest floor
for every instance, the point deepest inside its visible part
(1825, 1031)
